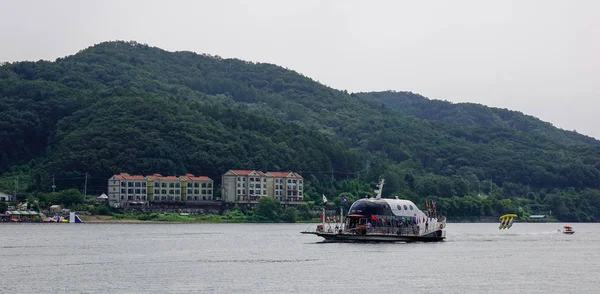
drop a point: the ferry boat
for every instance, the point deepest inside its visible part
(384, 220)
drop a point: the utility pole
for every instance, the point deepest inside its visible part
(53, 185)
(16, 186)
(85, 188)
(331, 176)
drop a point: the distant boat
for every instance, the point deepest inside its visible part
(568, 230)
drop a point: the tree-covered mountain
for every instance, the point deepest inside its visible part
(128, 107)
(474, 115)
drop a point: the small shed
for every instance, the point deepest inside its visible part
(102, 197)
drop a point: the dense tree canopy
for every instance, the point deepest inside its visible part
(128, 107)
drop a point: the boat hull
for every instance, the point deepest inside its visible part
(389, 238)
(569, 232)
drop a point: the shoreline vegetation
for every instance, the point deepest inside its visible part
(175, 218)
(226, 218)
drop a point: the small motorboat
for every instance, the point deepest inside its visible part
(568, 230)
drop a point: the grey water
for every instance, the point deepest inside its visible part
(276, 258)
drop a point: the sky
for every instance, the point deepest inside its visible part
(538, 57)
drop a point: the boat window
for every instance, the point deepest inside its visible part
(362, 221)
(411, 208)
(406, 208)
(399, 207)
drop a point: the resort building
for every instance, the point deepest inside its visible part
(125, 188)
(196, 188)
(248, 186)
(5, 198)
(286, 186)
(164, 189)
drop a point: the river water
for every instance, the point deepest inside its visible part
(276, 258)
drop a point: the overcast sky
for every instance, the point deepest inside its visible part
(539, 57)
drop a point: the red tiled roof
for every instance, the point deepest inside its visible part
(169, 178)
(285, 174)
(240, 172)
(127, 177)
(280, 174)
(192, 178)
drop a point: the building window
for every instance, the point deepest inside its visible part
(203, 185)
(251, 179)
(157, 185)
(129, 191)
(203, 191)
(156, 191)
(239, 191)
(290, 181)
(209, 192)
(171, 185)
(122, 184)
(171, 191)
(195, 198)
(189, 185)
(143, 191)
(265, 180)
(209, 185)
(155, 198)
(143, 184)
(196, 191)
(164, 185)
(189, 191)
(164, 191)
(138, 184)
(129, 184)
(122, 197)
(163, 198)
(137, 197)
(264, 192)
(189, 198)
(197, 185)
(129, 197)
(123, 191)
(137, 191)
(177, 185)
(177, 192)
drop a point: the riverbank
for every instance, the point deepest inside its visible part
(175, 218)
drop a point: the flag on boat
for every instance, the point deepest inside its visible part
(324, 198)
(373, 217)
(344, 198)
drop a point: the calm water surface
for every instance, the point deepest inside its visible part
(275, 258)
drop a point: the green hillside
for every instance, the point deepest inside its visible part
(128, 107)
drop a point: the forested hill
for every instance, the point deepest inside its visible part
(474, 116)
(128, 107)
